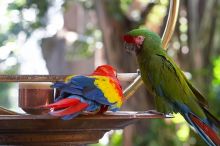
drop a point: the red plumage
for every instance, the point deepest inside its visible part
(137, 40)
(88, 93)
(206, 129)
(129, 39)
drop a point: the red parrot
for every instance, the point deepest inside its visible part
(96, 92)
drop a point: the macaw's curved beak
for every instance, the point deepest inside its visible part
(130, 47)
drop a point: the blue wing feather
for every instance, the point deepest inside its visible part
(69, 117)
(82, 86)
(84, 89)
(90, 91)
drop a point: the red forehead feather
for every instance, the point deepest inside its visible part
(105, 67)
(138, 40)
(129, 39)
(105, 70)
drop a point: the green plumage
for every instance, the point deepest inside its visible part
(163, 77)
(165, 80)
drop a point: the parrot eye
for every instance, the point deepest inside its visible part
(139, 40)
(140, 37)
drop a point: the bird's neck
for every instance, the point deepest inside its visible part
(145, 52)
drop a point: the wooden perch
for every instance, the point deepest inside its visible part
(48, 130)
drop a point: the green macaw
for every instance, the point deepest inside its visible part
(165, 80)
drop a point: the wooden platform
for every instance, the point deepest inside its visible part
(48, 130)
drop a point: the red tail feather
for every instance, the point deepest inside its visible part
(70, 110)
(207, 129)
(66, 102)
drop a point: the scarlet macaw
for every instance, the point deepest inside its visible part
(96, 92)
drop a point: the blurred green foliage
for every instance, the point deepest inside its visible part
(216, 71)
(214, 94)
(5, 87)
(159, 133)
(124, 5)
(82, 50)
(16, 19)
(116, 139)
(4, 94)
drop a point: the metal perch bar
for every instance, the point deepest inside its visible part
(55, 78)
(171, 23)
(168, 32)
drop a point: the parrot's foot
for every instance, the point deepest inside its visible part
(167, 115)
(138, 71)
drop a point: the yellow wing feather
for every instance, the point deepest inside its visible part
(109, 89)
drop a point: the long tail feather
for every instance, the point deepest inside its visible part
(63, 103)
(212, 118)
(70, 110)
(204, 130)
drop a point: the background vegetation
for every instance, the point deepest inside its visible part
(74, 36)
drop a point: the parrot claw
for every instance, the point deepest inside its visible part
(138, 71)
(159, 113)
(169, 115)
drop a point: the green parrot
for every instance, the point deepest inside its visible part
(167, 83)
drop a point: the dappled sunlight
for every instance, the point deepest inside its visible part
(182, 127)
(111, 138)
(216, 71)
